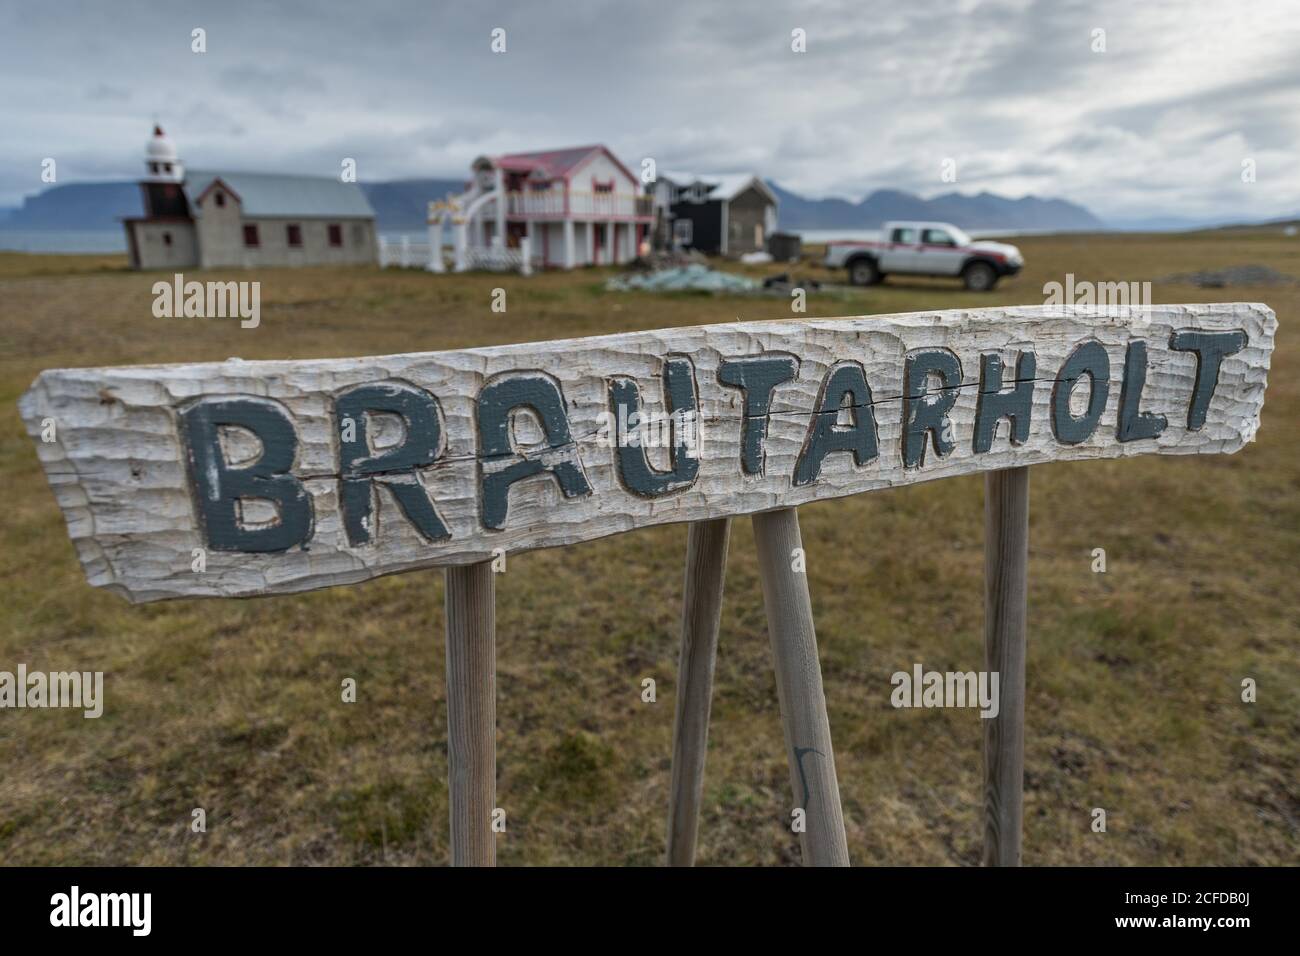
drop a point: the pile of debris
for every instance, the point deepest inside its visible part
(690, 278)
(784, 283)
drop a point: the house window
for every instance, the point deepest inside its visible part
(606, 187)
(219, 198)
(167, 238)
(250, 236)
(153, 168)
(358, 234)
(294, 232)
(167, 167)
(683, 231)
(336, 234)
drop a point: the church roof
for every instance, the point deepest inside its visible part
(282, 196)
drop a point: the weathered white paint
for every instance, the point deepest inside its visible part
(599, 168)
(118, 474)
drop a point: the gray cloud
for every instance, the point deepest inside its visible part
(1012, 90)
(103, 91)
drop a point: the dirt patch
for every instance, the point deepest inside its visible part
(1232, 275)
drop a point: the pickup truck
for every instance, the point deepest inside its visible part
(924, 249)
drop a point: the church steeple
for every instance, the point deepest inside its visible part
(161, 162)
(164, 197)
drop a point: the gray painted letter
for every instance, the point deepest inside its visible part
(633, 465)
(925, 413)
(218, 488)
(1135, 424)
(1211, 348)
(497, 472)
(1088, 358)
(756, 378)
(992, 404)
(825, 436)
(360, 468)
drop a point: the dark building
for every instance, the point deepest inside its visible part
(717, 215)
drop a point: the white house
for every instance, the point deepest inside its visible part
(559, 208)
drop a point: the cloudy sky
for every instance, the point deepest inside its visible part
(1019, 93)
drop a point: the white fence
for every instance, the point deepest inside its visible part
(408, 253)
(404, 253)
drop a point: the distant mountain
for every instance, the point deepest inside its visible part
(402, 205)
(81, 207)
(93, 207)
(981, 211)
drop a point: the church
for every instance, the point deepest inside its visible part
(211, 220)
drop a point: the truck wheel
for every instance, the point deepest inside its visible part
(979, 277)
(863, 272)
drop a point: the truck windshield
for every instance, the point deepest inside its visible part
(959, 237)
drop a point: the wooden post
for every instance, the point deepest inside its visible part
(471, 713)
(525, 256)
(799, 687)
(1006, 560)
(706, 564)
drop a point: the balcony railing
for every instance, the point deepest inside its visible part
(550, 203)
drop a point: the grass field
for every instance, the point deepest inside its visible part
(234, 706)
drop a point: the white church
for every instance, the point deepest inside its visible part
(236, 219)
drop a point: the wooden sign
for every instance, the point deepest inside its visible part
(243, 478)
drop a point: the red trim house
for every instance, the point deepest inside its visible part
(560, 208)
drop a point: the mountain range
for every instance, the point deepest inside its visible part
(400, 207)
(983, 210)
(99, 207)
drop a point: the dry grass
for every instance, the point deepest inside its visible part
(234, 706)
